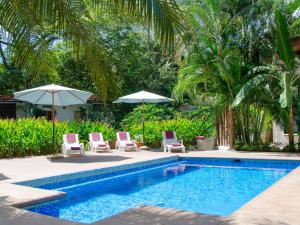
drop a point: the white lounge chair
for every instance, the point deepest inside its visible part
(170, 142)
(71, 145)
(97, 143)
(124, 142)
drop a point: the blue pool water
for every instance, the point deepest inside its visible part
(209, 186)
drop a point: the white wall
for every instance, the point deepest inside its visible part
(67, 113)
(62, 113)
(279, 137)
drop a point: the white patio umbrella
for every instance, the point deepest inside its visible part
(54, 95)
(143, 97)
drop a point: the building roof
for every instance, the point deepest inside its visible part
(94, 99)
(7, 99)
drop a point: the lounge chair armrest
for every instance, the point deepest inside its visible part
(106, 142)
(81, 145)
(133, 141)
(181, 141)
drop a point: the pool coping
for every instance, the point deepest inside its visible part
(19, 195)
(273, 203)
(94, 172)
(241, 216)
(44, 195)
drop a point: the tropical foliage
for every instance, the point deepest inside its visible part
(151, 112)
(30, 28)
(186, 130)
(25, 137)
(231, 65)
(283, 69)
(240, 55)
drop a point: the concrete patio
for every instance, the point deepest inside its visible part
(280, 204)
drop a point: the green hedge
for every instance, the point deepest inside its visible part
(25, 137)
(186, 130)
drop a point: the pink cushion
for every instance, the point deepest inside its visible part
(176, 145)
(200, 137)
(96, 137)
(102, 145)
(129, 144)
(71, 138)
(75, 148)
(169, 134)
(123, 135)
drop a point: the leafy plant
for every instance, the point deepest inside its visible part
(152, 112)
(185, 129)
(138, 137)
(28, 136)
(34, 26)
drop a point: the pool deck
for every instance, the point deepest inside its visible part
(278, 205)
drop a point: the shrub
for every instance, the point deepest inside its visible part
(152, 112)
(159, 118)
(186, 130)
(29, 136)
(25, 137)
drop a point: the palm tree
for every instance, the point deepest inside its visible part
(284, 66)
(30, 27)
(212, 68)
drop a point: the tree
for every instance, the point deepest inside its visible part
(227, 39)
(283, 68)
(138, 61)
(212, 67)
(31, 27)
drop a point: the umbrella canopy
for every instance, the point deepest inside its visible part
(63, 96)
(54, 95)
(143, 96)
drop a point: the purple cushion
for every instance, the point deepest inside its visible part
(71, 138)
(176, 145)
(96, 136)
(123, 135)
(75, 148)
(129, 144)
(169, 134)
(102, 145)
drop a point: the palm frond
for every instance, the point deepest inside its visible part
(249, 87)
(35, 24)
(262, 74)
(164, 16)
(284, 45)
(286, 97)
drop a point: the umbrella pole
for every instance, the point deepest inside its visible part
(143, 115)
(53, 125)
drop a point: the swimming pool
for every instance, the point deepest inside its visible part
(211, 186)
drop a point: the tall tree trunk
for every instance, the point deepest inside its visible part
(230, 122)
(225, 128)
(221, 129)
(217, 126)
(291, 129)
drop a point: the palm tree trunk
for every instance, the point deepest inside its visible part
(217, 125)
(230, 122)
(291, 129)
(222, 129)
